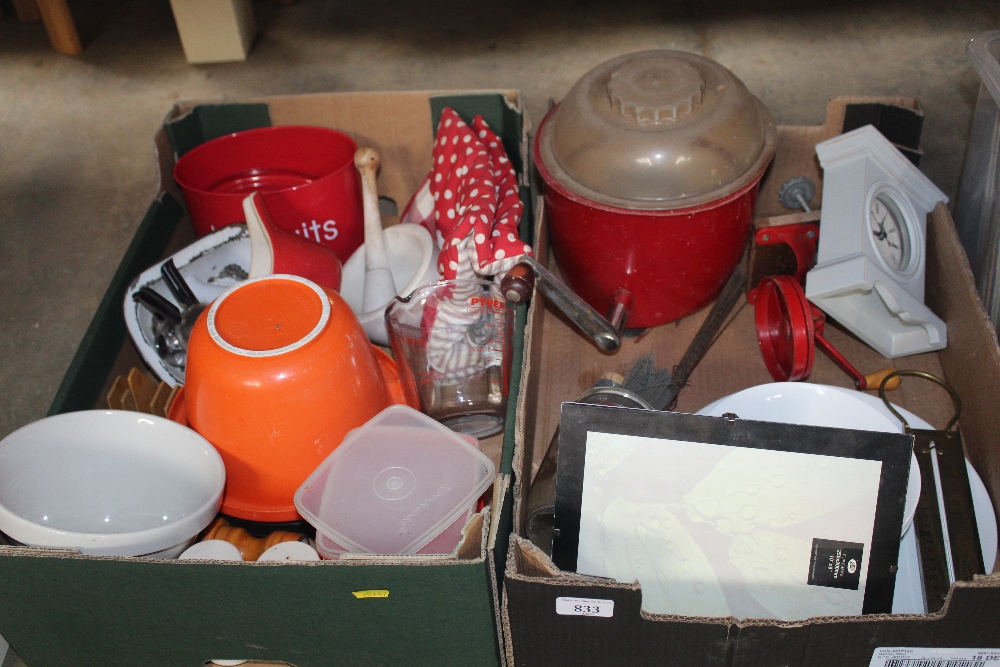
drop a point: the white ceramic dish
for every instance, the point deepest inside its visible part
(210, 265)
(821, 405)
(817, 405)
(212, 550)
(108, 483)
(289, 551)
(413, 260)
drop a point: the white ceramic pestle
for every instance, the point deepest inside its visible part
(379, 287)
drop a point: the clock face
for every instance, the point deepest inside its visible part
(889, 232)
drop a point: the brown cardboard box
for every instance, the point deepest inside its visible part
(561, 364)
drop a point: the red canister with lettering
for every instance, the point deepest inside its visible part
(305, 174)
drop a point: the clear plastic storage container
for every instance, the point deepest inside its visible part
(977, 206)
(393, 486)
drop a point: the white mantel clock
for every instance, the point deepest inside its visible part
(869, 272)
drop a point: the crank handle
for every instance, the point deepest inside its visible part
(874, 380)
(516, 286)
(861, 382)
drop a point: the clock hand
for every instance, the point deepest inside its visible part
(880, 234)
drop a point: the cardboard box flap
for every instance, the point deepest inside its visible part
(835, 642)
(549, 637)
(542, 636)
(971, 360)
(80, 611)
(210, 121)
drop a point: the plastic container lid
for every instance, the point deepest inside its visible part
(657, 130)
(394, 484)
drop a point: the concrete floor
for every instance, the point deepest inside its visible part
(76, 154)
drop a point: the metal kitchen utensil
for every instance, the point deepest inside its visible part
(732, 291)
(528, 273)
(177, 284)
(166, 322)
(171, 340)
(644, 387)
(157, 304)
(945, 521)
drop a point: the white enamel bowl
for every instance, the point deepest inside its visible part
(820, 405)
(817, 405)
(108, 483)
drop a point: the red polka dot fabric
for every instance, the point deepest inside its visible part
(470, 201)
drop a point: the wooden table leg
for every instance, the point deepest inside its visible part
(59, 25)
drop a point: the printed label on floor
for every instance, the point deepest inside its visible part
(935, 657)
(585, 607)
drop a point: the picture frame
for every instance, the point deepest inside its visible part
(667, 499)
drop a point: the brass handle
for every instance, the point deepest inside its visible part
(956, 401)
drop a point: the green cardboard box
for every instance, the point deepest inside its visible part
(60, 608)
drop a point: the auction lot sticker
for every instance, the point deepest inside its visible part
(899, 656)
(588, 607)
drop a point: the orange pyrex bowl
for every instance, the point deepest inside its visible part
(278, 371)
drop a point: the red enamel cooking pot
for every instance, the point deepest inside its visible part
(651, 166)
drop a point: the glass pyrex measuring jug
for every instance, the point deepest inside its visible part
(452, 342)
